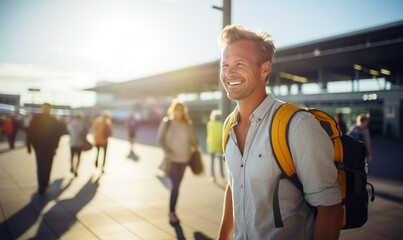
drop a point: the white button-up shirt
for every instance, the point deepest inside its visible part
(254, 175)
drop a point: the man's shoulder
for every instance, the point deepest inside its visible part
(302, 122)
(277, 103)
(302, 116)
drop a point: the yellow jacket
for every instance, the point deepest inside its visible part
(214, 136)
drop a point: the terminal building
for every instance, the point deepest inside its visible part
(352, 73)
(9, 103)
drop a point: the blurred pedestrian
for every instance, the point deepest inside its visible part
(340, 121)
(177, 137)
(26, 122)
(10, 129)
(44, 134)
(2, 119)
(214, 141)
(360, 131)
(131, 126)
(102, 129)
(78, 134)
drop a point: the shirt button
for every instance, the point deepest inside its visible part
(260, 155)
(241, 185)
(241, 165)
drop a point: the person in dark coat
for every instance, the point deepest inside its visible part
(340, 121)
(44, 135)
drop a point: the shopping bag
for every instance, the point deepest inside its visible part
(195, 163)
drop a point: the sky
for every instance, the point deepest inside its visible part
(63, 47)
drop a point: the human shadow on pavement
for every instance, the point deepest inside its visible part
(201, 236)
(25, 218)
(389, 197)
(64, 213)
(132, 155)
(179, 231)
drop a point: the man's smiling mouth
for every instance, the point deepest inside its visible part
(234, 83)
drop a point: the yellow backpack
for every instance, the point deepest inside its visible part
(349, 158)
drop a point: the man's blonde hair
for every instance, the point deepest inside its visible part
(263, 41)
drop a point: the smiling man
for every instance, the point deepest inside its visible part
(253, 171)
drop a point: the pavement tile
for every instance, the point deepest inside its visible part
(113, 231)
(163, 223)
(122, 215)
(78, 231)
(146, 230)
(197, 223)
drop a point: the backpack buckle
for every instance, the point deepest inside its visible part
(339, 165)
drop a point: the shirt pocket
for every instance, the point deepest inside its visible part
(263, 166)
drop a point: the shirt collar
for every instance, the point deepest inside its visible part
(262, 109)
(259, 113)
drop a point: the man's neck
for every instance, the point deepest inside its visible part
(247, 106)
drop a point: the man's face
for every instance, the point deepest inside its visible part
(241, 75)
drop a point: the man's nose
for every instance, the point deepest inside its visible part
(230, 72)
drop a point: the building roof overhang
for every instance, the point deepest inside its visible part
(374, 48)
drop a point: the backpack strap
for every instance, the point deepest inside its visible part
(281, 152)
(279, 141)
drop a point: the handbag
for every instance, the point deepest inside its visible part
(195, 163)
(87, 145)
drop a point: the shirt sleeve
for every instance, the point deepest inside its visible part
(313, 155)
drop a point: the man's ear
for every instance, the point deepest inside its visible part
(265, 69)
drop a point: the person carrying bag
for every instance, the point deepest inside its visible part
(177, 138)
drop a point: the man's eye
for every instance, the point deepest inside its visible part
(239, 64)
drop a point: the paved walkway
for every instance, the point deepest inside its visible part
(129, 202)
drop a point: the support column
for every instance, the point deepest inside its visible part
(391, 118)
(225, 103)
(322, 82)
(355, 80)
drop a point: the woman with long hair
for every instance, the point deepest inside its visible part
(177, 137)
